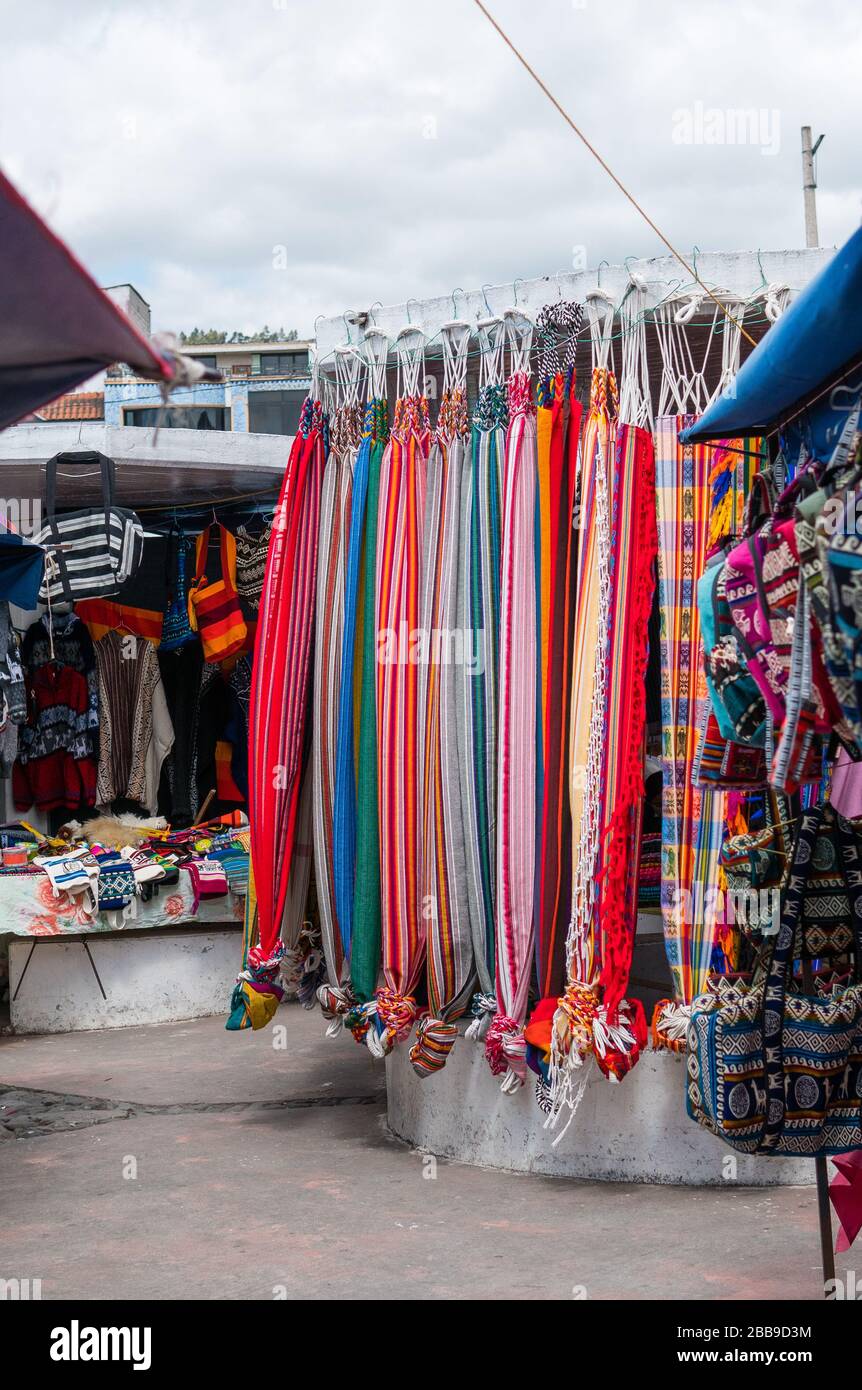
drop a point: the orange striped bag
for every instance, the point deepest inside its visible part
(214, 610)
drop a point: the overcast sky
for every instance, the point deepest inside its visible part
(263, 161)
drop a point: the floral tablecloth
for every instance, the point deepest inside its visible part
(28, 908)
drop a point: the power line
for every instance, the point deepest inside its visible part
(621, 186)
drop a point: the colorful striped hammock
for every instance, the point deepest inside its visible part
(335, 511)
(449, 651)
(505, 1046)
(482, 510)
(281, 683)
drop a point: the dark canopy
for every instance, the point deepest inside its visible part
(57, 328)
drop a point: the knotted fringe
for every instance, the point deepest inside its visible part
(583, 1032)
(434, 1041)
(383, 1021)
(335, 1003)
(482, 1007)
(670, 1026)
(506, 1051)
(257, 992)
(302, 966)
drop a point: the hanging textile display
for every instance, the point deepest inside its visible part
(584, 1026)
(692, 817)
(631, 579)
(558, 432)
(281, 681)
(505, 1046)
(448, 653)
(479, 616)
(259, 991)
(335, 505)
(356, 861)
(401, 514)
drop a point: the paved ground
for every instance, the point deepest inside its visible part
(181, 1161)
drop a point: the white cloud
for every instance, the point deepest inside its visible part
(398, 149)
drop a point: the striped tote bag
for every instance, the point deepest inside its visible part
(93, 552)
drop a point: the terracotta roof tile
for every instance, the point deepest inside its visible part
(77, 405)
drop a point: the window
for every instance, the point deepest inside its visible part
(274, 412)
(179, 417)
(281, 363)
(206, 360)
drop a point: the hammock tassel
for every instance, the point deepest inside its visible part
(506, 1051)
(434, 1041)
(670, 1022)
(384, 1021)
(583, 1032)
(483, 1007)
(335, 1003)
(257, 992)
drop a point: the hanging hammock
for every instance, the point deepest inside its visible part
(335, 506)
(449, 654)
(482, 506)
(281, 682)
(633, 544)
(558, 430)
(390, 1016)
(692, 817)
(355, 817)
(505, 1046)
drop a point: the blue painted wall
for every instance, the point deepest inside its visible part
(235, 393)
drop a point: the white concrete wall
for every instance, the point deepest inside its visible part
(637, 1131)
(149, 977)
(736, 272)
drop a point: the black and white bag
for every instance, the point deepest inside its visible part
(91, 553)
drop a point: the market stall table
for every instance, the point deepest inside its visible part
(116, 985)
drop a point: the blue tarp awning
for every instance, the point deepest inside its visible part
(813, 354)
(21, 566)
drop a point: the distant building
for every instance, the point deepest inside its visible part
(133, 305)
(263, 391)
(75, 405)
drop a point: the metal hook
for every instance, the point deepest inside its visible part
(485, 297)
(515, 284)
(378, 304)
(407, 307)
(454, 307)
(763, 279)
(317, 321)
(599, 272)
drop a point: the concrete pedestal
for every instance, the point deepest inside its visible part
(148, 977)
(637, 1131)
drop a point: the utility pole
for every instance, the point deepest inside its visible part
(809, 185)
